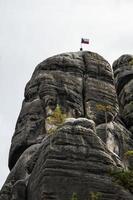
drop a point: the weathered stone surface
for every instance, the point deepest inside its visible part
(70, 133)
(99, 88)
(19, 174)
(29, 129)
(100, 93)
(123, 73)
(74, 160)
(77, 82)
(116, 137)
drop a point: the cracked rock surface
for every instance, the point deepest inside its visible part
(75, 124)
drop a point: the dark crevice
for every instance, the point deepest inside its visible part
(84, 85)
(16, 155)
(122, 82)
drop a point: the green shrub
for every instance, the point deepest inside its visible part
(131, 62)
(102, 107)
(57, 117)
(128, 159)
(52, 130)
(96, 195)
(123, 178)
(128, 153)
(74, 196)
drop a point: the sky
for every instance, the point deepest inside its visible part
(32, 30)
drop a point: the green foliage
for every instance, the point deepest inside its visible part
(104, 108)
(52, 130)
(56, 119)
(128, 159)
(96, 195)
(74, 196)
(131, 62)
(124, 178)
(128, 153)
(92, 196)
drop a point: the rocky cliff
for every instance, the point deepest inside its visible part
(73, 137)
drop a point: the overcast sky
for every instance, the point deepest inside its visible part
(32, 30)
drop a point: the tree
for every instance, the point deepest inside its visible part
(104, 108)
(74, 196)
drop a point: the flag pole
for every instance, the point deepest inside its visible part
(81, 49)
(84, 41)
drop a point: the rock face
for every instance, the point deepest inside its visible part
(70, 134)
(123, 73)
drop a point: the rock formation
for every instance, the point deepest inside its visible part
(74, 130)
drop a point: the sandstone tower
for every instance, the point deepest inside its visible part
(74, 131)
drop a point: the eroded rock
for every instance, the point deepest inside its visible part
(70, 133)
(123, 73)
(73, 159)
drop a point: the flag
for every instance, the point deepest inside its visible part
(84, 41)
